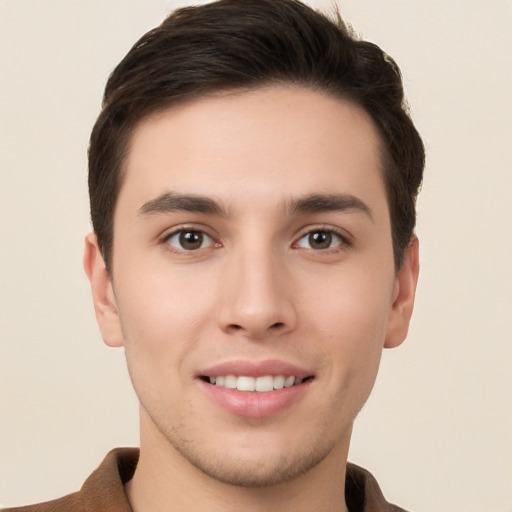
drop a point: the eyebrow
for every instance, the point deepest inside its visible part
(171, 202)
(313, 203)
(328, 203)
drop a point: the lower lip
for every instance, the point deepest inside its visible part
(254, 404)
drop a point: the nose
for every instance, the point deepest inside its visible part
(256, 297)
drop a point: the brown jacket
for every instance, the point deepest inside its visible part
(104, 491)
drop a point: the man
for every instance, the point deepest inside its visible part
(252, 176)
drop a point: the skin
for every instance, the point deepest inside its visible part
(258, 288)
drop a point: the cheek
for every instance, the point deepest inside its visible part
(161, 317)
(352, 306)
(161, 325)
(351, 318)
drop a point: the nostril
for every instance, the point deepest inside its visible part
(255, 330)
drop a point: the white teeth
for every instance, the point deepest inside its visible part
(230, 382)
(279, 382)
(260, 384)
(289, 382)
(245, 384)
(264, 384)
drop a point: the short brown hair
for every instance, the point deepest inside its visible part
(233, 44)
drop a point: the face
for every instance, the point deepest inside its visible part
(253, 281)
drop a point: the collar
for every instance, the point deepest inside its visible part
(104, 489)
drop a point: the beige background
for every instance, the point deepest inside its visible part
(437, 432)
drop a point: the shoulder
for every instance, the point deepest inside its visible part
(103, 490)
(363, 493)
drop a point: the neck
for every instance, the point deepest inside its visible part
(165, 481)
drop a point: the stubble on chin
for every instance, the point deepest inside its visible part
(249, 471)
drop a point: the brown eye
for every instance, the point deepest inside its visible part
(189, 240)
(321, 239)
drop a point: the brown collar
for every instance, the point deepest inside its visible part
(104, 490)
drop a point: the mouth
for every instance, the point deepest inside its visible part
(255, 389)
(262, 384)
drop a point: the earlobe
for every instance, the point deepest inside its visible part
(103, 297)
(405, 291)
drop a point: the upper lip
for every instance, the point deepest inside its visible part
(252, 368)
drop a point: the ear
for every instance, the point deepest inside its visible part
(103, 297)
(404, 293)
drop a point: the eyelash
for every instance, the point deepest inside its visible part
(343, 243)
(344, 240)
(184, 230)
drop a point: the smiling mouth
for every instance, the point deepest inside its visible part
(263, 384)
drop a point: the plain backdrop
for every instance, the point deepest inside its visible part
(437, 431)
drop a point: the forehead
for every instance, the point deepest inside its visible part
(275, 141)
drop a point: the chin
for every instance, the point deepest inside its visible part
(259, 461)
(261, 471)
